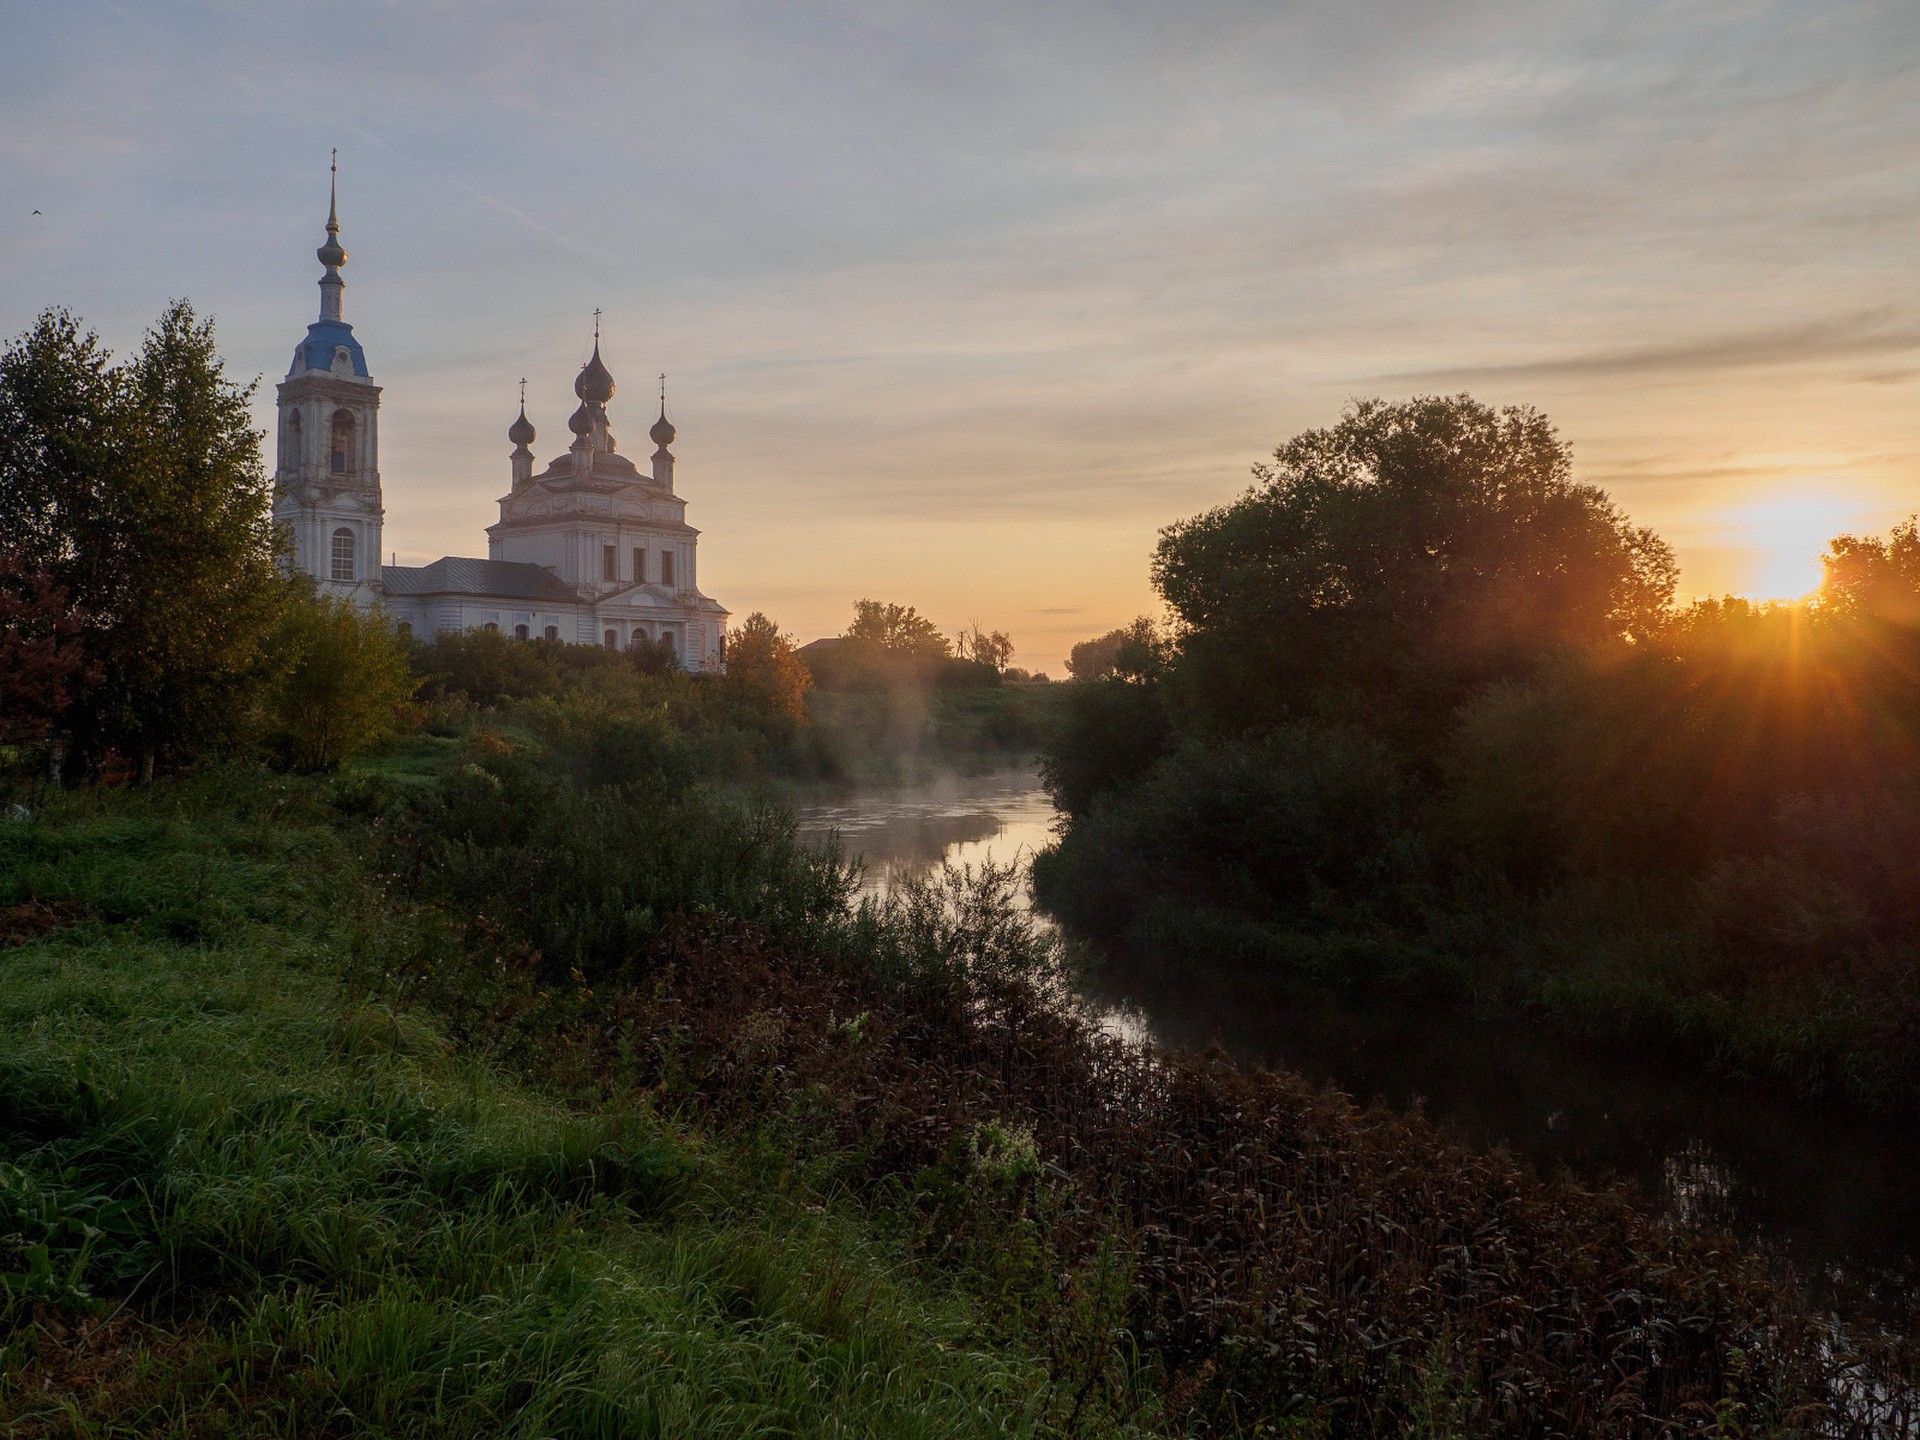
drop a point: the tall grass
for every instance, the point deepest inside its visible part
(1267, 1259)
(235, 1201)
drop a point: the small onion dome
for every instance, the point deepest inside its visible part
(595, 384)
(332, 254)
(521, 431)
(662, 432)
(581, 421)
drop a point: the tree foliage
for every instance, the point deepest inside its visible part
(344, 680)
(1384, 567)
(1137, 651)
(984, 647)
(763, 669)
(139, 488)
(1875, 578)
(897, 630)
(42, 666)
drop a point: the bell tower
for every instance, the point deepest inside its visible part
(326, 490)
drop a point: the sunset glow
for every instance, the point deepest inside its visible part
(960, 306)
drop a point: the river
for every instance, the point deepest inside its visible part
(1825, 1188)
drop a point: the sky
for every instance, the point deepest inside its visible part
(960, 304)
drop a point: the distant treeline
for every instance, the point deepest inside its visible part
(1426, 713)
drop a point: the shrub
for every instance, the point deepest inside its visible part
(343, 685)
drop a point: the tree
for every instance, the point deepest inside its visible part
(764, 670)
(1383, 569)
(1136, 651)
(897, 630)
(985, 647)
(139, 488)
(1875, 578)
(343, 682)
(42, 666)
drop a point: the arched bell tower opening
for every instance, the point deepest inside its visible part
(326, 494)
(340, 459)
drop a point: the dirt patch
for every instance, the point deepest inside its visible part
(34, 918)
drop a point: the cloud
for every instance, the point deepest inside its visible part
(1848, 337)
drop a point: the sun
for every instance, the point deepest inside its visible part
(1783, 536)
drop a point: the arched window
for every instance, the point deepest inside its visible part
(520, 632)
(613, 639)
(491, 627)
(343, 554)
(293, 454)
(342, 441)
(553, 632)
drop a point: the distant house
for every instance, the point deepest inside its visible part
(591, 550)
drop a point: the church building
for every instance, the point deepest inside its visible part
(591, 550)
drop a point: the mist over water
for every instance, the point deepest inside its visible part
(1825, 1188)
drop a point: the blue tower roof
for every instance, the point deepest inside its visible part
(323, 337)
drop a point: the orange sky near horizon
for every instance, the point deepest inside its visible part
(961, 304)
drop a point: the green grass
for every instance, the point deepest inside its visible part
(236, 1200)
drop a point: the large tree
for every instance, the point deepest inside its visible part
(897, 630)
(139, 487)
(1383, 568)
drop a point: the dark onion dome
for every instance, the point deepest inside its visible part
(595, 384)
(581, 421)
(521, 431)
(662, 432)
(331, 253)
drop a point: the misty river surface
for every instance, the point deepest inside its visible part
(1834, 1191)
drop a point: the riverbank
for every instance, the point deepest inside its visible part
(242, 1194)
(1080, 1235)
(1822, 1188)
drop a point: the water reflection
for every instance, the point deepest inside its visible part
(1827, 1188)
(1003, 818)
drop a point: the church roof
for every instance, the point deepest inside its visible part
(499, 579)
(322, 337)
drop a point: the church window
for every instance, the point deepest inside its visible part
(609, 562)
(293, 437)
(342, 441)
(491, 627)
(406, 629)
(666, 567)
(613, 639)
(520, 632)
(553, 632)
(343, 554)
(639, 564)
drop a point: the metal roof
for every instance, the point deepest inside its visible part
(322, 337)
(497, 579)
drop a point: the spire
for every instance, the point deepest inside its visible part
(521, 431)
(331, 254)
(521, 434)
(595, 382)
(662, 436)
(662, 432)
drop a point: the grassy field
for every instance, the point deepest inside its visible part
(238, 1199)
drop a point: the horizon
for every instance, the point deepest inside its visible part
(958, 312)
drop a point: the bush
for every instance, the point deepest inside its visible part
(343, 686)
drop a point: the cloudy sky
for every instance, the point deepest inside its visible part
(961, 302)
